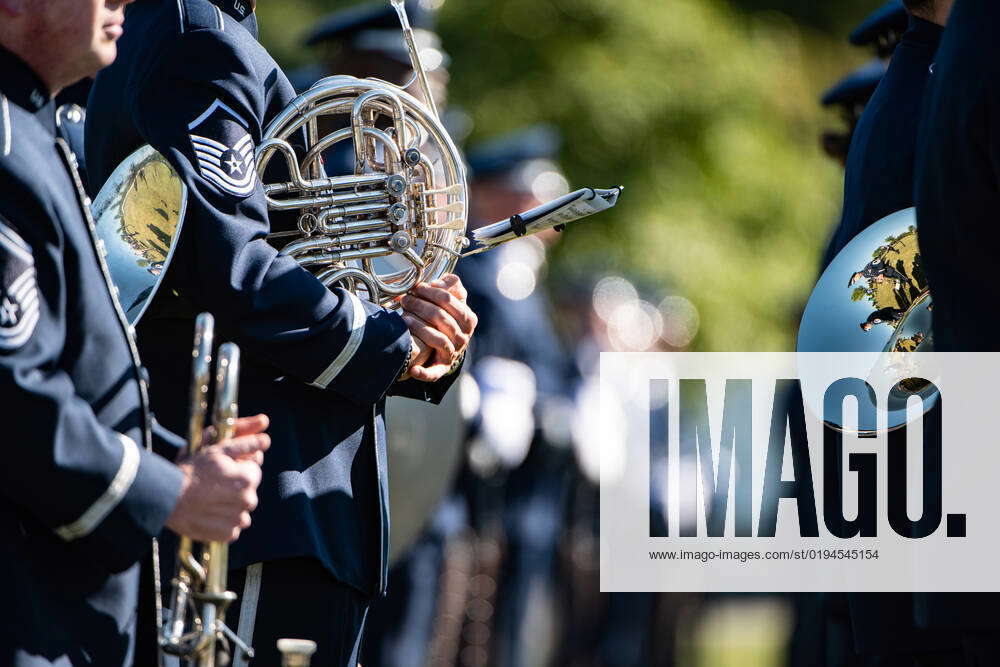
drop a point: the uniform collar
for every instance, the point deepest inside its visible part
(923, 32)
(24, 88)
(239, 10)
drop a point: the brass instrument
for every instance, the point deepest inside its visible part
(873, 299)
(401, 217)
(196, 628)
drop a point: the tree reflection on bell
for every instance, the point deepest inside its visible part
(873, 298)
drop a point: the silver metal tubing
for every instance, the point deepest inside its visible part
(345, 227)
(327, 200)
(359, 126)
(344, 256)
(331, 183)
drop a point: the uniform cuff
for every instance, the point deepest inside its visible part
(375, 354)
(119, 526)
(166, 443)
(429, 392)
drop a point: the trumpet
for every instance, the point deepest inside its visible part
(196, 628)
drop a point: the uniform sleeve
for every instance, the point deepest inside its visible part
(166, 443)
(429, 392)
(201, 107)
(89, 484)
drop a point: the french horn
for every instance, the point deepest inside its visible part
(400, 218)
(873, 299)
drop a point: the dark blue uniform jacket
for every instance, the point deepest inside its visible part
(192, 81)
(879, 176)
(957, 197)
(957, 185)
(80, 495)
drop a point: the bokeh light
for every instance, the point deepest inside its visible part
(680, 321)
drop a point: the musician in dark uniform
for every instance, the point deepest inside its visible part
(850, 95)
(882, 29)
(364, 41)
(879, 181)
(956, 196)
(518, 332)
(888, 316)
(82, 494)
(877, 270)
(879, 175)
(194, 83)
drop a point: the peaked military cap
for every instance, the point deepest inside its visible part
(345, 24)
(374, 26)
(507, 152)
(883, 28)
(857, 87)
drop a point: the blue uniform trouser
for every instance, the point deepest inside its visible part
(297, 598)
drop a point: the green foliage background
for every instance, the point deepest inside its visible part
(705, 110)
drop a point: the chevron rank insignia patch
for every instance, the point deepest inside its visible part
(224, 150)
(18, 290)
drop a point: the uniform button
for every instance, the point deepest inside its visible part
(87, 202)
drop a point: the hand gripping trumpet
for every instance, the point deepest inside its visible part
(196, 627)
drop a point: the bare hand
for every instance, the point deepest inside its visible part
(439, 321)
(240, 447)
(220, 485)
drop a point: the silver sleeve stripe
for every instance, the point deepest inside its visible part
(113, 495)
(249, 602)
(224, 184)
(350, 349)
(10, 240)
(242, 146)
(180, 12)
(232, 182)
(202, 147)
(205, 158)
(6, 126)
(217, 104)
(222, 24)
(23, 283)
(25, 328)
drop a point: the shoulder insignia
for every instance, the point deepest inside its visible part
(224, 150)
(19, 307)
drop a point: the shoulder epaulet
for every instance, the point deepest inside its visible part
(199, 15)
